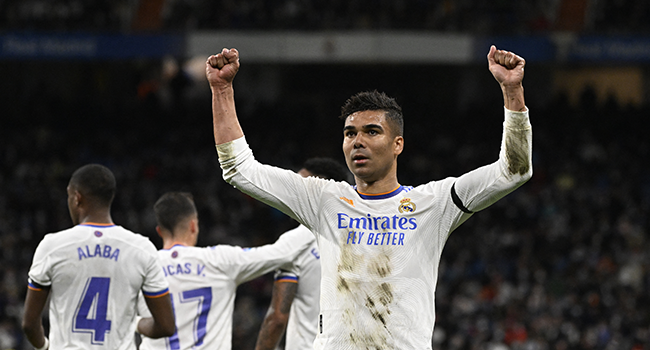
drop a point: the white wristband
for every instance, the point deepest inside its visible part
(45, 346)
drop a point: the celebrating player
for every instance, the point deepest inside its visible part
(203, 280)
(93, 273)
(380, 242)
(296, 293)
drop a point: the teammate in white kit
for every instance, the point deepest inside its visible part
(203, 280)
(93, 273)
(296, 293)
(380, 242)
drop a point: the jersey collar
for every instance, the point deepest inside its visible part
(95, 224)
(176, 244)
(384, 195)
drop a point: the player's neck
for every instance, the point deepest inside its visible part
(184, 240)
(377, 187)
(170, 244)
(96, 218)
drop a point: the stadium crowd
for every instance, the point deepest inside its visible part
(509, 17)
(562, 263)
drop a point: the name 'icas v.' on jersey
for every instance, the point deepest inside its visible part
(203, 282)
(380, 254)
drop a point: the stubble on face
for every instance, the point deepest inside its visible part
(369, 145)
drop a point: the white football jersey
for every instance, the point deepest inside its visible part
(303, 316)
(96, 273)
(380, 253)
(203, 282)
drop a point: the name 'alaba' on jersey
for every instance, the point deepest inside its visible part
(96, 272)
(302, 325)
(203, 282)
(380, 254)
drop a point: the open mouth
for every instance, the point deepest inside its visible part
(359, 159)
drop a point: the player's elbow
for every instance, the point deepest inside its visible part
(164, 327)
(277, 320)
(30, 326)
(522, 176)
(528, 174)
(167, 328)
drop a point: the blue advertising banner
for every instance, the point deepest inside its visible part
(89, 46)
(532, 48)
(610, 49)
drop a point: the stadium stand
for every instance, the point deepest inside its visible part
(562, 263)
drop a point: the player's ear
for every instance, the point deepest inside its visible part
(77, 199)
(194, 226)
(398, 145)
(159, 230)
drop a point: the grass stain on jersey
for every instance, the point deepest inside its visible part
(516, 144)
(364, 289)
(381, 265)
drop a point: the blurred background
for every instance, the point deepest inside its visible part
(561, 263)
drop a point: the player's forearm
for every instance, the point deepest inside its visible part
(150, 328)
(32, 326)
(270, 333)
(35, 334)
(162, 322)
(513, 97)
(516, 148)
(224, 116)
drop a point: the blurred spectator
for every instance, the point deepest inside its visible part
(500, 17)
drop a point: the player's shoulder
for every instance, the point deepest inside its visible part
(221, 251)
(179, 250)
(300, 232)
(334, 191)
(63, 237)
(434, 187)
(133, 239)
(127, 233)
(338, 185)
(222, 255)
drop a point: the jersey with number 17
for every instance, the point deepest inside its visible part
(95, 272)
(203, 282)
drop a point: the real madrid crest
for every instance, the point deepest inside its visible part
(406, 206)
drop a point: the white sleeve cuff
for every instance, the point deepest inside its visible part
(230, 150)
(517, 120)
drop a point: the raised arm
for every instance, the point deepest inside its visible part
(480, 188)
(220, 69)
(508, 69)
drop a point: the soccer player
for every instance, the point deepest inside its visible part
(93, 273)
(203, 280)
(296, 293)
(380, 241)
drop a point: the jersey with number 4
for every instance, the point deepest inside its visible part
(95, 273)
(380, 253)
(203, 282)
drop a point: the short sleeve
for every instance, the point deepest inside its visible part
(282, 275)
(155, 284)
(40, 273)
